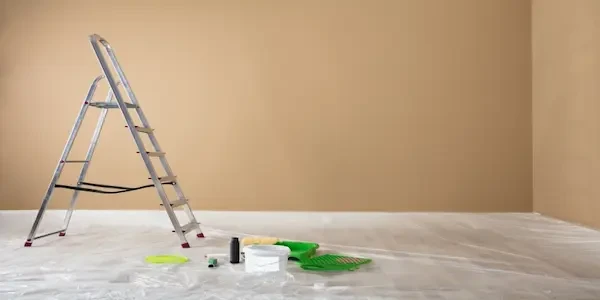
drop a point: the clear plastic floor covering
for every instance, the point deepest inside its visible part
(415, 256)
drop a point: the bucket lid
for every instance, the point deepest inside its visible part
(267, 250)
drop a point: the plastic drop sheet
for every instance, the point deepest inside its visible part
(415, 256)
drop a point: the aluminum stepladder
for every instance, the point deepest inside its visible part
(158, 182)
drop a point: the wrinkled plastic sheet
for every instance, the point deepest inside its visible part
(415, 256)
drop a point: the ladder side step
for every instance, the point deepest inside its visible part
(143, 129)
(178, 203)
(73, 161)
(154, 154)
(111, 105)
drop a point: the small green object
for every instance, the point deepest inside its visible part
(300, 250)
(166, 259)
(212, 262)
(333, 262)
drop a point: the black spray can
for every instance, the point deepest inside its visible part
(234, 251)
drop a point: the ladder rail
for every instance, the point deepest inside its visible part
(86, 165)
(133, 99)
(95, 40)
(63, 157)
(98, 39)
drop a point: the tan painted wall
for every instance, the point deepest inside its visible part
(566, 109)
(280, 105)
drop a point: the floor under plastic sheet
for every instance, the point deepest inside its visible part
(415, 256)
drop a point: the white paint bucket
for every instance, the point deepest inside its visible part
(266, 258)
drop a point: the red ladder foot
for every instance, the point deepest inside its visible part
(28, 244)
(200, 235)
(62, 234)
(185, 245)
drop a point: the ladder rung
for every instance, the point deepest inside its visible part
(187, 227)
(178, 203)
(143, 129)
(74, 161)
(111, 105)
(156, 154)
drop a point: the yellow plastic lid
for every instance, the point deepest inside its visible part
(166, 259)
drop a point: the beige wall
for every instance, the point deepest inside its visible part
(566, 109)
(274, 105)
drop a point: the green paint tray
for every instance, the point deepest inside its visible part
(299, 250)
(333, 262)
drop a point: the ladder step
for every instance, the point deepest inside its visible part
(155, 154)
(188, 227)
(73, 161)
(178, 203)
(143, 129)
(166, 178)
(111, 105)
